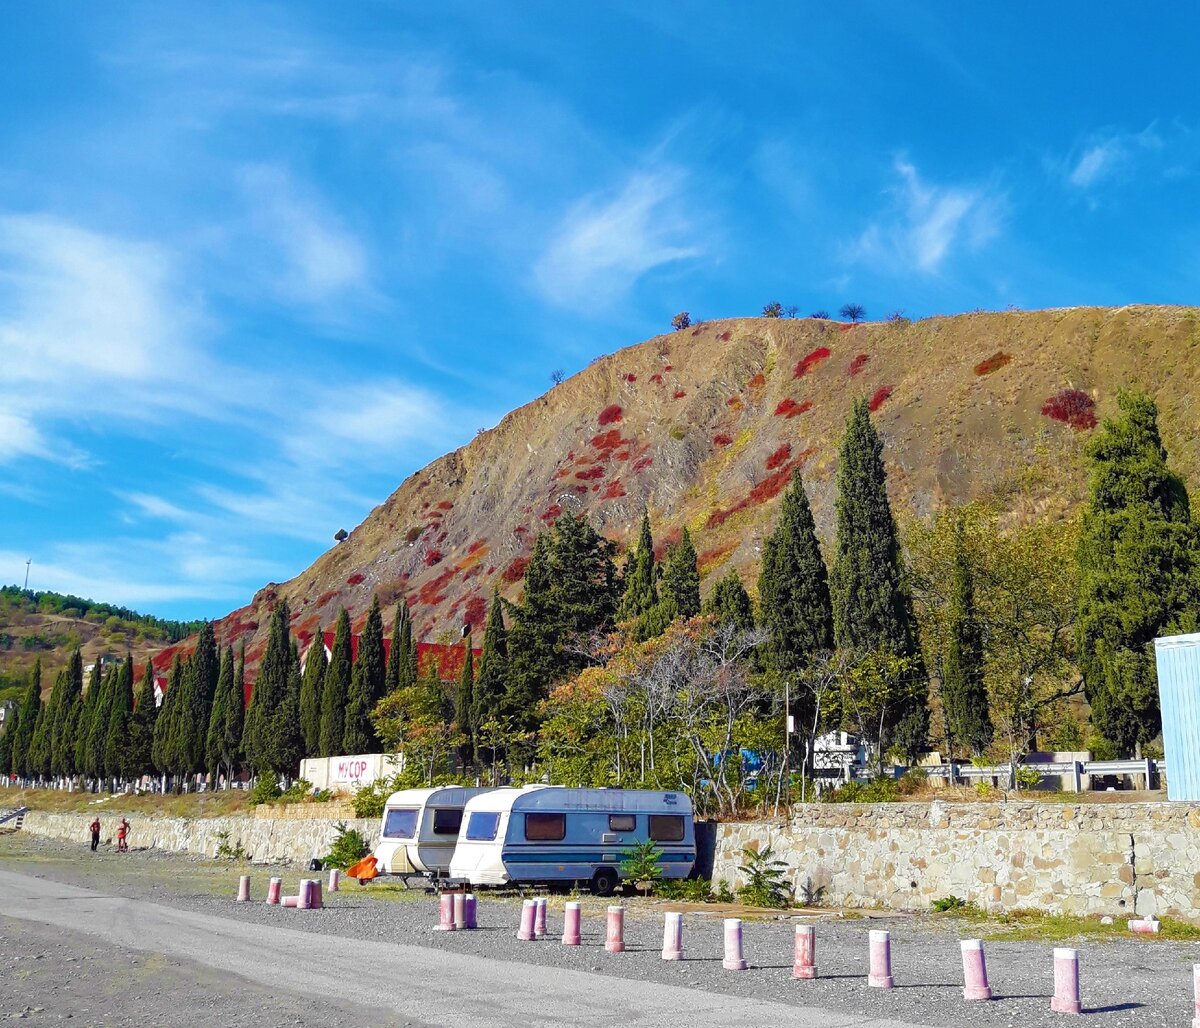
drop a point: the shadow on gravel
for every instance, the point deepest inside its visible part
(1115, 1008)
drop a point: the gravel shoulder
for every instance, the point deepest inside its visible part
(1126, 982)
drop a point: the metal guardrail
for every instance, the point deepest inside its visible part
(1075, 768)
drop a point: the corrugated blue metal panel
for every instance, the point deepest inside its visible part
(1178, 660)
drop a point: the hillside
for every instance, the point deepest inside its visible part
(704, 427)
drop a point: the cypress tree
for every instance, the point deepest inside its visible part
(263, 751)
(6, 739)
(194, 710)
(1137, 572)
(358, 734)
(371, 654)
(37, 757)
(464, 702)
(337, 689)
(98, 729)
(233, 749)
(681, 577)
(163, 747)
(27, 717)
(641, 591)
(795, 609)
(214, 740)
(62, 760)
(311, 688)
(729, 603)
(141, 728)
(49, 744)
(964, 696)
(402, 663)
(116, 736)
(83, 728)
(488, 694)
(286, 738)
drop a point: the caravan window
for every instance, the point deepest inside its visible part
(545, 827)
(666, 827)
(400, 823)
(622, 822)
(483, 825)
(447, 820)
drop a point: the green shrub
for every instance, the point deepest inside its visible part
(948, 903)
(349, 847)
(266, 789)
(1027, 777)
(879, 790)
(766, 879)
(640, 863)
(297, 792)
(723, 893)
(913, 782)
(370, 800)
(691, 890)
(227, 852)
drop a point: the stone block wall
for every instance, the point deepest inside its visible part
(1064, 858)
(267, 841)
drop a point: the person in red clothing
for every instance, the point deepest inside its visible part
(122, 832)
(95, 827)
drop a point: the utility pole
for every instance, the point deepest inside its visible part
(27, 563)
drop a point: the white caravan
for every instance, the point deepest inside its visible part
(419, 829)
(549, 833)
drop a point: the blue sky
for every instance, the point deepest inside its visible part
(258, 263)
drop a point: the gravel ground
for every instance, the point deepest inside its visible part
(1129, 982)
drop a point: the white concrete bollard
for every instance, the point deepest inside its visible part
(571, 919)
(528, 913)
(335, 879)
(273, 889)
(880, 975)
(804, 952)
(445, 913)
(1144, 926)
(304, 897)
(614, 940)
(672, 936)
(243, 894)
(975, 978)
(1196, 995)
(1066, 981)
(460, 911)
(539, 918)
(734, 960)
(469, 911)
(289, 901)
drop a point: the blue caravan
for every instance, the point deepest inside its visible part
(547, 833)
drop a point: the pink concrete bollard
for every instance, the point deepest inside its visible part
(469, 911)
(571, 919)
(335, 879)
(304, 898)
(314, 895)
(614, 940)
(880, 975)
(528, 913)
(243, 895)
(273, 888)
(734, 961)
(445, 913)
(1144, 926)
(975, 978)
(289, 901)
(460, 911)
(804, 952)
(1196, 995)
(672, 936)
(539, 918)
(1066, 982)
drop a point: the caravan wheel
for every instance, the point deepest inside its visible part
(605, 881)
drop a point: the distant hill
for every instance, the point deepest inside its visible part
(704, 427)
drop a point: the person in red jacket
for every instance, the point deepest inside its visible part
(122, 832)
(95, 826)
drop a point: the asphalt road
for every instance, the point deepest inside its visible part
(104, 959)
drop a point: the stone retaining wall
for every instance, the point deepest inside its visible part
(266, 841)
(1082, 859)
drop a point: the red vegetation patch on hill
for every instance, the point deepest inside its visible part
(589, 474)
(714, 557)
(609, 440)
(758, 381)
(475, 610)
(767, 489)
(679, 394)
(857, 364)
(631, 377)
(779, 457)
(789, 408)
(1072, 407)
(610, 415)
(734, 403)
(993, 363)
(614, 490)
(432, 557)
(656, 379)
(643, 463)
(810, 361)
(515, 570)
(880, 397)
(551, 513)
(430, 594)
(722, 439)
(356, 579)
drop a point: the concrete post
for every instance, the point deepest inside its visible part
(614, 940)
(880, 975)
(528, 912)
(304, 898)
(1076, 776)
(243, 894)
(672, 936)
(460, 911)
(335, 879)
(1196, 995)
(273, 888)
(445, 913)
(539, 918)
(469, 911)
(314, 894)
(804, 953)
(975, 979)
(289, 901)
(734, 961)
(1066, 981)
(571, 919)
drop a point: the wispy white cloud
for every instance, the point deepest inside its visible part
(604, 244)
(925, 223)
(1110, 155)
